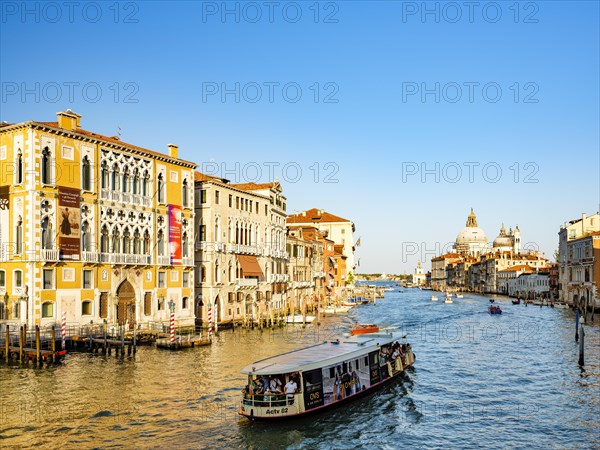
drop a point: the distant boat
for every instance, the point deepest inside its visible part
(336, 309)
(459, 296)
(448, 299)
(495, 310)
(425, 288)
(434, 298)
(516, 302)
(297, 318)
(364, 328)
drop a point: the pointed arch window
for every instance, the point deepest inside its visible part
(115, 178)
(125, 180)
(161, 243)
(185, 193)
(45, 168)
(145, 183)
(19, 236)
(104, 240)
(86, 175)
(115, 240)
(85, 237)
(19, 174)
(136, 243)
(146, 243)
(104, 175)
(47, 234)
(126, 241)
(160, 188)
(135, 189)
(184, 245)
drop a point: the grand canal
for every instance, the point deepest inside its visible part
(509, 381)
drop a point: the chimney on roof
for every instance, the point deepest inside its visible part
(68, 120)
(173, 151)
(303, 213)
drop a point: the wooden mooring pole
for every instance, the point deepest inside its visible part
(21, 344)
(581, 347)
(53, 345)
(38, 350)
(7, 344)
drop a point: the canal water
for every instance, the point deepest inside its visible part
(503, 381)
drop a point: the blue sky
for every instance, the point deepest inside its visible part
(335, 90)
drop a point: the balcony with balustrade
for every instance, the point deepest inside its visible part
(50, 255)
(246, 283)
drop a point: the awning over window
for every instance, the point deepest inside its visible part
(250, 266)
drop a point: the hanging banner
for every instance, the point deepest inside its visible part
(175, 234)
(4, 221)
(69, 220)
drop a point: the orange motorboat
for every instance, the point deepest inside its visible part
(364, 328)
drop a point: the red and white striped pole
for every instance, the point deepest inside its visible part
(172, 327)
(63, 330)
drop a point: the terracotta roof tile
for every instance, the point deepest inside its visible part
(314, 215)
(254, 186)
(199, 176)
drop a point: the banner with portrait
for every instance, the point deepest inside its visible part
(4, 219)
(175, 234)
(345, 379)
(69, 223)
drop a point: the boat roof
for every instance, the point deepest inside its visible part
(324, 354)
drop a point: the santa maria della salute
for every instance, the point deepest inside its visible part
(473, 241)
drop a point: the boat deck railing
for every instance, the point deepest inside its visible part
(268, 400)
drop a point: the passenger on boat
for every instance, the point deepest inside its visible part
(265, 383)
(290, 389)
(275, 385)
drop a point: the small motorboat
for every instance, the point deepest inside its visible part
(459, 296)
(297, 318)
(364, 328)
(493, 309)
(516, 302)
(448, 299)
(434, 298)
(331, 309)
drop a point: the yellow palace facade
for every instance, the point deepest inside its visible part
(92, 227)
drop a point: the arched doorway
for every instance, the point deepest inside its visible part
(126, 304)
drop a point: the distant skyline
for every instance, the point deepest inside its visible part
(396, 118)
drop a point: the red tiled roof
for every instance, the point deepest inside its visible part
(199, 176)
(522, 268)
(314, 215)
(115, 141)
(254, 186)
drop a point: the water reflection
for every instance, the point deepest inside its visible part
(477, 378)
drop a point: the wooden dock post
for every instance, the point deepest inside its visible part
(7, 344)
(122, 340)
(134, 341)
(21, 344)
(581, 347)
(53, 345)
(38, 352)
(105, 341)
(577, 324)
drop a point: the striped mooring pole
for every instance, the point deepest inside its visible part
(63, 330)
(172, 327)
